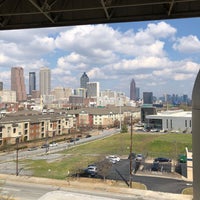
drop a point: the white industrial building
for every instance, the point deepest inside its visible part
(173, 120)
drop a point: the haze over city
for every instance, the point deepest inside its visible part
(161, 56)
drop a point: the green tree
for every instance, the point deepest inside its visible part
(124, 128)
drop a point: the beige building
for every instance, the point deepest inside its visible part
(33, 125)
(8, 96)
(61, 93)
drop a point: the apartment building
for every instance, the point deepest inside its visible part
(31, 126)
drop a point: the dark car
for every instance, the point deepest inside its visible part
(132, 156)
(161, 159)
(156, 166)
(87, 136)
(45, 146)
(182, 158)
(32, 148)
(72, 140)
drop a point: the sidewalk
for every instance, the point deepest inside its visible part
(93, 187)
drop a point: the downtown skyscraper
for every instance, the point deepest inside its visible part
(45, 81)
(32, 82)
(133, 95)
(18, 84)
(84, 80)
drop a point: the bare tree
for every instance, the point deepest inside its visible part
(104, 168)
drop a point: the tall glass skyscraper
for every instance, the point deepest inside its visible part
(45, 81)
(133, 90)
(32, 82)
(147, 97)
(18, 84)
(84, 80)
(1, 86)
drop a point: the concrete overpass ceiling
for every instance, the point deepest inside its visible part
(20, 14)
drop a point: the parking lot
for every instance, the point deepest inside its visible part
(164, 181)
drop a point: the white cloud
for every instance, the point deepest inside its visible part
(105, 53)
(160, 30)
(42, 44)
(188, 44)
(3, 58)
(182, 76)
(97, 73)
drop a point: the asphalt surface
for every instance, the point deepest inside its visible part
(32, 188)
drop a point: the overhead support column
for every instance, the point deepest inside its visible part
(42, 11)
(170, 8)
(105, 9)
(196, 137)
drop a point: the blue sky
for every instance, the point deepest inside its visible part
(162, 56)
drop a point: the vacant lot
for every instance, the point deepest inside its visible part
(77, 158)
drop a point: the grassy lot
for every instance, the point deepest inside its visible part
(153, 145)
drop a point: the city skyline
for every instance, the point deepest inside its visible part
(162, 56)
(45, 85)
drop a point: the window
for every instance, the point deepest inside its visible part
(14, 130)
(185, 123)
(167, 124)
(26, 125)
(190, 123)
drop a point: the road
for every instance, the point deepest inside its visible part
(32, 191)
(22, 154)
(8, 159)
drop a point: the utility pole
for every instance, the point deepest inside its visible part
(131, 156)
(47, 136)
(17, 151)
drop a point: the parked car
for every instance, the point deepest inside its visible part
(156, 166)
(32, 148)
(139, 157)
(182, 158)
(131, 156)
(161, 159)
(91, 170)
(113, 158)
(87, 136)
(71, 140)
(53, 144)
(45, 146)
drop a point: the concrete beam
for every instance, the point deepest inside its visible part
(196, 137)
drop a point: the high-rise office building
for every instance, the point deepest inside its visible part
(147, 97)
(137, 93)
(32, 82)
(1, 86)
(93, 89)
(84, 80)
(18, 84)
(133, 90)
(45, 81)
